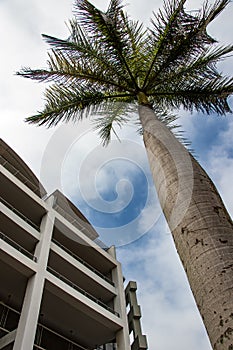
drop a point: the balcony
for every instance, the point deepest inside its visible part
(17, 246)
(36, 188)
(48, 339)
(81, 282)
(74, 245)
(45, 339)
(14, 280)
(82, 291)
(20, 202)
(75, 317)
(20, 233)
(20, 214)
(84, 263)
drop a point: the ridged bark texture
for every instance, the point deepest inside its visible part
(201, 227)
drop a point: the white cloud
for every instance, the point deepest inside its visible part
(220, 165)
(87, 161)
(150, 214)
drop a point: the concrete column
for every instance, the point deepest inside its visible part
(134, 315)
(122, 336)
(112, 251)
(31, 306)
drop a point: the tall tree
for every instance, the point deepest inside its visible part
(110, 58)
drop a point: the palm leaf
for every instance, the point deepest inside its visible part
(185, 40)
(80, 46)
(65, 104)
(204, 96)
(67, 71)
(116, 114)
(164, 26)
(107, 29)
(200, 69)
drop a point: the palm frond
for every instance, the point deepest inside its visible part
(80, 47)
(165, 30)
(210, 12)
(68, 71)
(107, 29)
(202, 67)
(137, 50)
(204, 96)
(65, 104)
(116, 114)
(186, 40)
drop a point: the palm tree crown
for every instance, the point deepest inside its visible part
(108, 57)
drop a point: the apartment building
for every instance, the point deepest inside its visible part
(60, 286)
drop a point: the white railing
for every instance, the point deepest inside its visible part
(17, 246)
(82, 291)
(21, 215)
(83, 262)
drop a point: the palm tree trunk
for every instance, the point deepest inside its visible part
(201, 227)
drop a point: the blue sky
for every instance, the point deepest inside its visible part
(120, 201)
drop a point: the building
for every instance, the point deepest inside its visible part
(60, 287)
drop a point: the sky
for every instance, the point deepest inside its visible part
(112, 186)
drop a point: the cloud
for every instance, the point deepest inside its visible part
(220, 164)
(86, 162)
(150, 214)
(21, 25)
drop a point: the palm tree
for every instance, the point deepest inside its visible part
(110, 58)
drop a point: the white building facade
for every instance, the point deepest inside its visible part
(60, 287)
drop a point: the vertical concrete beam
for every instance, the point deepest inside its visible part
(122, 336)
(112, 251)
(32, 300)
